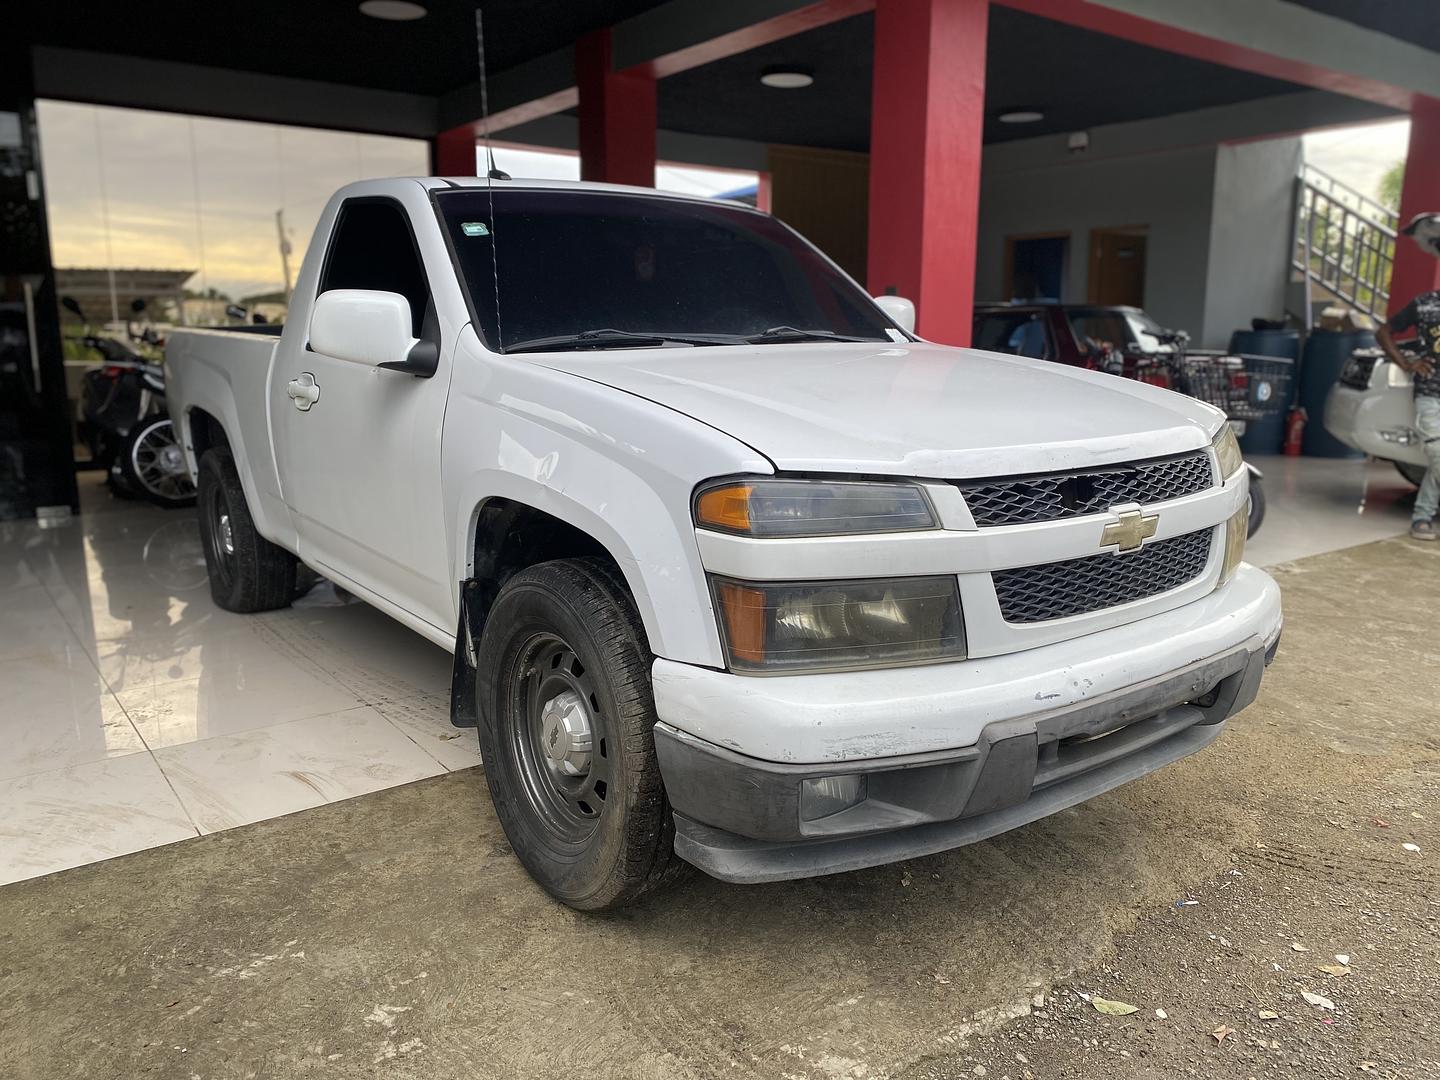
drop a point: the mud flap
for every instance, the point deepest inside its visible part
(464, 706)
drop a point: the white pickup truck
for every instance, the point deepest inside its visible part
(736, 570)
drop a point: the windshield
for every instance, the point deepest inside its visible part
(595, 270)
(1126, 329)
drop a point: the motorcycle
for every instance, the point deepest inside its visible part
(124, 419)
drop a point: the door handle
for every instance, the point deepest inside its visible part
(304, 391)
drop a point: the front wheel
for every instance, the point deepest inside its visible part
(1415, 474)
(566, 733)
(1257, 507)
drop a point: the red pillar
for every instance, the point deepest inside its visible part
(927, 119)
(452, 153)
(1415, 271)
(617, 116)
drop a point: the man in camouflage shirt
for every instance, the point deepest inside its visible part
(1423, 315)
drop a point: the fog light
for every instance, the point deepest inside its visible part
(1403, 436)
(826, 795)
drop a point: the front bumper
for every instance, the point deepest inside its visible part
(739, 817)
(1357, 418)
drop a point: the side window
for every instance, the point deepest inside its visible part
(1028, 339)
(1022, 333)
(372, 248)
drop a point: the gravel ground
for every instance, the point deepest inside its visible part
(1341, 773)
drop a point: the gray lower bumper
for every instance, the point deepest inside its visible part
(739, 819)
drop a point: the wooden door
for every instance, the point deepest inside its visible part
(1117, 266)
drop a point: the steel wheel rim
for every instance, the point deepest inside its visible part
(567, 807)
(219, 536)
(159, 464)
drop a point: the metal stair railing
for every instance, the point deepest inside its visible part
(1344, 242)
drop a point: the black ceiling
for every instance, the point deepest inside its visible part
(1415, 21)
(327, 40)
(1078, 78)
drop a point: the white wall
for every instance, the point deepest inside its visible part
(1218, 212)
(1168, 191)
(1250, 227)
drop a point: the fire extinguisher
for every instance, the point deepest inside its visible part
(1295, 430)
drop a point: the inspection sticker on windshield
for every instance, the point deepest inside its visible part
(474, 228)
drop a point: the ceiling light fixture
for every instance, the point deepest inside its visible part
(1021, 116)
(393, 10)
(786, 78)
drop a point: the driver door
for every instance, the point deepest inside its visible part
(359, 446)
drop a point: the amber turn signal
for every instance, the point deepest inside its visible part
(725, 507)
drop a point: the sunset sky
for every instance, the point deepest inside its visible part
(130, 188)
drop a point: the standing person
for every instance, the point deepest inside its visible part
(1423, 315)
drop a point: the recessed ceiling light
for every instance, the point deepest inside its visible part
(393, 10)
(1021, 116)
(786, 78)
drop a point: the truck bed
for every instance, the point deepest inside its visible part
(226, 373)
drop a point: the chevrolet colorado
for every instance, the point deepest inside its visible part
(736, 570)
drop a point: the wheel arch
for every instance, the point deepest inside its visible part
(629, 527)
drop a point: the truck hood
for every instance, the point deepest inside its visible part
(906, 410)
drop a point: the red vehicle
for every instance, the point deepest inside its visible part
(1125, 341)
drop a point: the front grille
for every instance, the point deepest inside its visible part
(1050, 496)
(1033, 594)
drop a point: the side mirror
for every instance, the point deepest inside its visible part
(70, 304)
(899, 309)
(366, 326)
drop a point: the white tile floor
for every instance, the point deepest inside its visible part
(135, 713)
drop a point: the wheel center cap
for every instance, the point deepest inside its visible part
(227, 536)
(565, 734)
(171, 460)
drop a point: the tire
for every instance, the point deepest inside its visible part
(600, 839)
(1257, 507)
(247, 572)
(1414, 474)
(152, 465)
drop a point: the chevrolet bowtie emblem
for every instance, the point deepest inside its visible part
(1132, 530)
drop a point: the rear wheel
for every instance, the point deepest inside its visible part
(566, 733)
(247, 572)
(1415, 474)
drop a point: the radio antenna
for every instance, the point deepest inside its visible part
(491, 172)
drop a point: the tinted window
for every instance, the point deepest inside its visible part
(1021, 333)
(571, 262)
(1128, 330)
(372, 248)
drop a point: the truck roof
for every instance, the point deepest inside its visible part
(576, 186)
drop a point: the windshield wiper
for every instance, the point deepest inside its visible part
(790, 333)
(609, 338)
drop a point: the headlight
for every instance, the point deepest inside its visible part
(838, 625)
(773, 508)
(1235, 530)
(1227, 453)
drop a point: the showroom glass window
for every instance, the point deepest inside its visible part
(373, 248)
(571, 263)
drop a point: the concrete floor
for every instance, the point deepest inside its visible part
(140, 714)
(395, 935)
